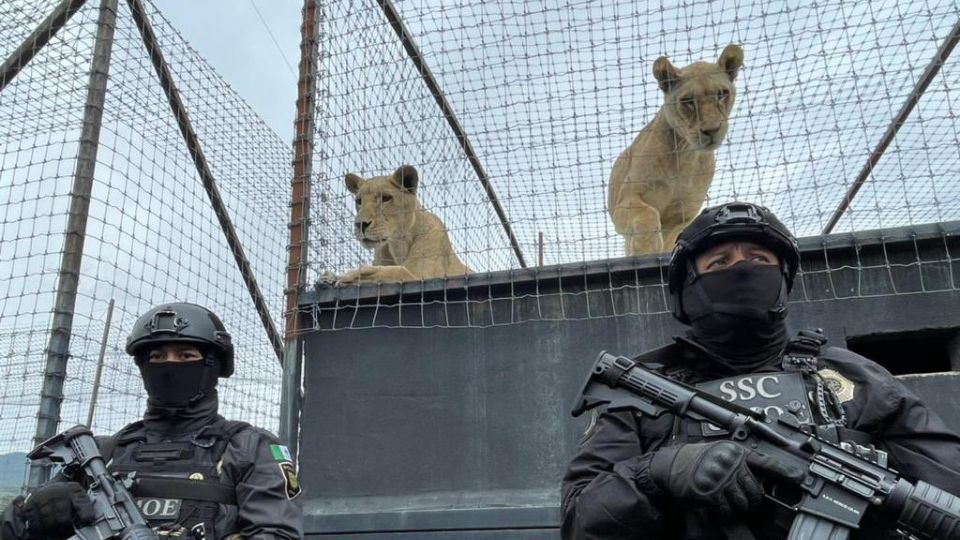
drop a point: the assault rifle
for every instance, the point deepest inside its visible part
(833, 487)
(117, 515)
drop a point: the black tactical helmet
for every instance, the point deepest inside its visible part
(726, 222)
(182, 323)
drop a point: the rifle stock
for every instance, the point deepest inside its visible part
(117, 515)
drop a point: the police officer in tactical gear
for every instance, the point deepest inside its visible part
(199, 476)
(672, 478)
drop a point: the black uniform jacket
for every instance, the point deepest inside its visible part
(267, 507)
(607, 492)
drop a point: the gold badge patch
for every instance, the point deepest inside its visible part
(841, 386)
(290, 479)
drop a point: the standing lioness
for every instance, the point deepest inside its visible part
(660, 182)
(409, 242)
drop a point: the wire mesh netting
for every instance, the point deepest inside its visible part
(151, 235)
(549, 94)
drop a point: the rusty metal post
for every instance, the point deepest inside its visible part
(299, 225)
(61, 327)
(206, 175)
(37, 39)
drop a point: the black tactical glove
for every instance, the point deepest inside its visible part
(53, 510)
(711, 476)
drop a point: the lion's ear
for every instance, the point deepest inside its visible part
(353, 182)
(730, 60)
(667, 75)
(406, 177)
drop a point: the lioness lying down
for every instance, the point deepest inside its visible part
(408, 241)
(659, 183)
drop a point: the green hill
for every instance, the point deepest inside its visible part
(13, 468)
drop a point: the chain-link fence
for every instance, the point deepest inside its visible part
(151, 233)
(845, 119)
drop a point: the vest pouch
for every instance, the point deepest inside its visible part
(164, 452)
(178, 484)
(197, 522)
(776, 394)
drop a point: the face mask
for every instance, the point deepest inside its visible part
(177, 384)
(738, 313)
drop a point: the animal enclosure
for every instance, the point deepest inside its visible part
(514, 113)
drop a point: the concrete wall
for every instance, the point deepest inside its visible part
(435, 412)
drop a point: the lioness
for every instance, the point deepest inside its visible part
(409, 242)
(660, 182)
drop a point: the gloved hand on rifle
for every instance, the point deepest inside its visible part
(715, 477)
(53, 510)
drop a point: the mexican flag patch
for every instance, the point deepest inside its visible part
(280, 452)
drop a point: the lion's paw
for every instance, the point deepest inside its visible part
(358, 275)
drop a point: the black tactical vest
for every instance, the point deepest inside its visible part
(177, 484)
(797, 390)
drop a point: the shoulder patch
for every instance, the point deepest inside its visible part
(290, 480)
(280, 452)
(840, 385)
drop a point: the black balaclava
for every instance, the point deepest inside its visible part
(179, 385)
(737, 314)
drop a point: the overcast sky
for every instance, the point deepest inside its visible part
(257, 56)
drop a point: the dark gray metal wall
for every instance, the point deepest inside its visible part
(463, 431)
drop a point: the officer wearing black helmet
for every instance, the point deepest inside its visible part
(200, 476)
(672, 478)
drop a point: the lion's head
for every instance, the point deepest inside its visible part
(386, 205)
(698, 98)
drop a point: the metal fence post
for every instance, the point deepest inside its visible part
(899, 120)
(299, 223)
(99, 372)
(37, 39)
(192, 141)
(58, 348)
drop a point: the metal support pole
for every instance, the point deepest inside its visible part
(103, 352)
(540, 249)
(58, 349)
(290, 397)
(932, 69)
(37, 39)
(393, 17)
(206, 176)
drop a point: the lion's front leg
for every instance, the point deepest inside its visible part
(671, 234)
(639, 224)
(376, 274)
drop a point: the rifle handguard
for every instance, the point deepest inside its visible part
(927, 511)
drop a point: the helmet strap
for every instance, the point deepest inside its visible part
(208, 379)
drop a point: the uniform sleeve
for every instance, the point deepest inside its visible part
(607, 493)
(919, 444)
(12, 524)
(267, 490)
